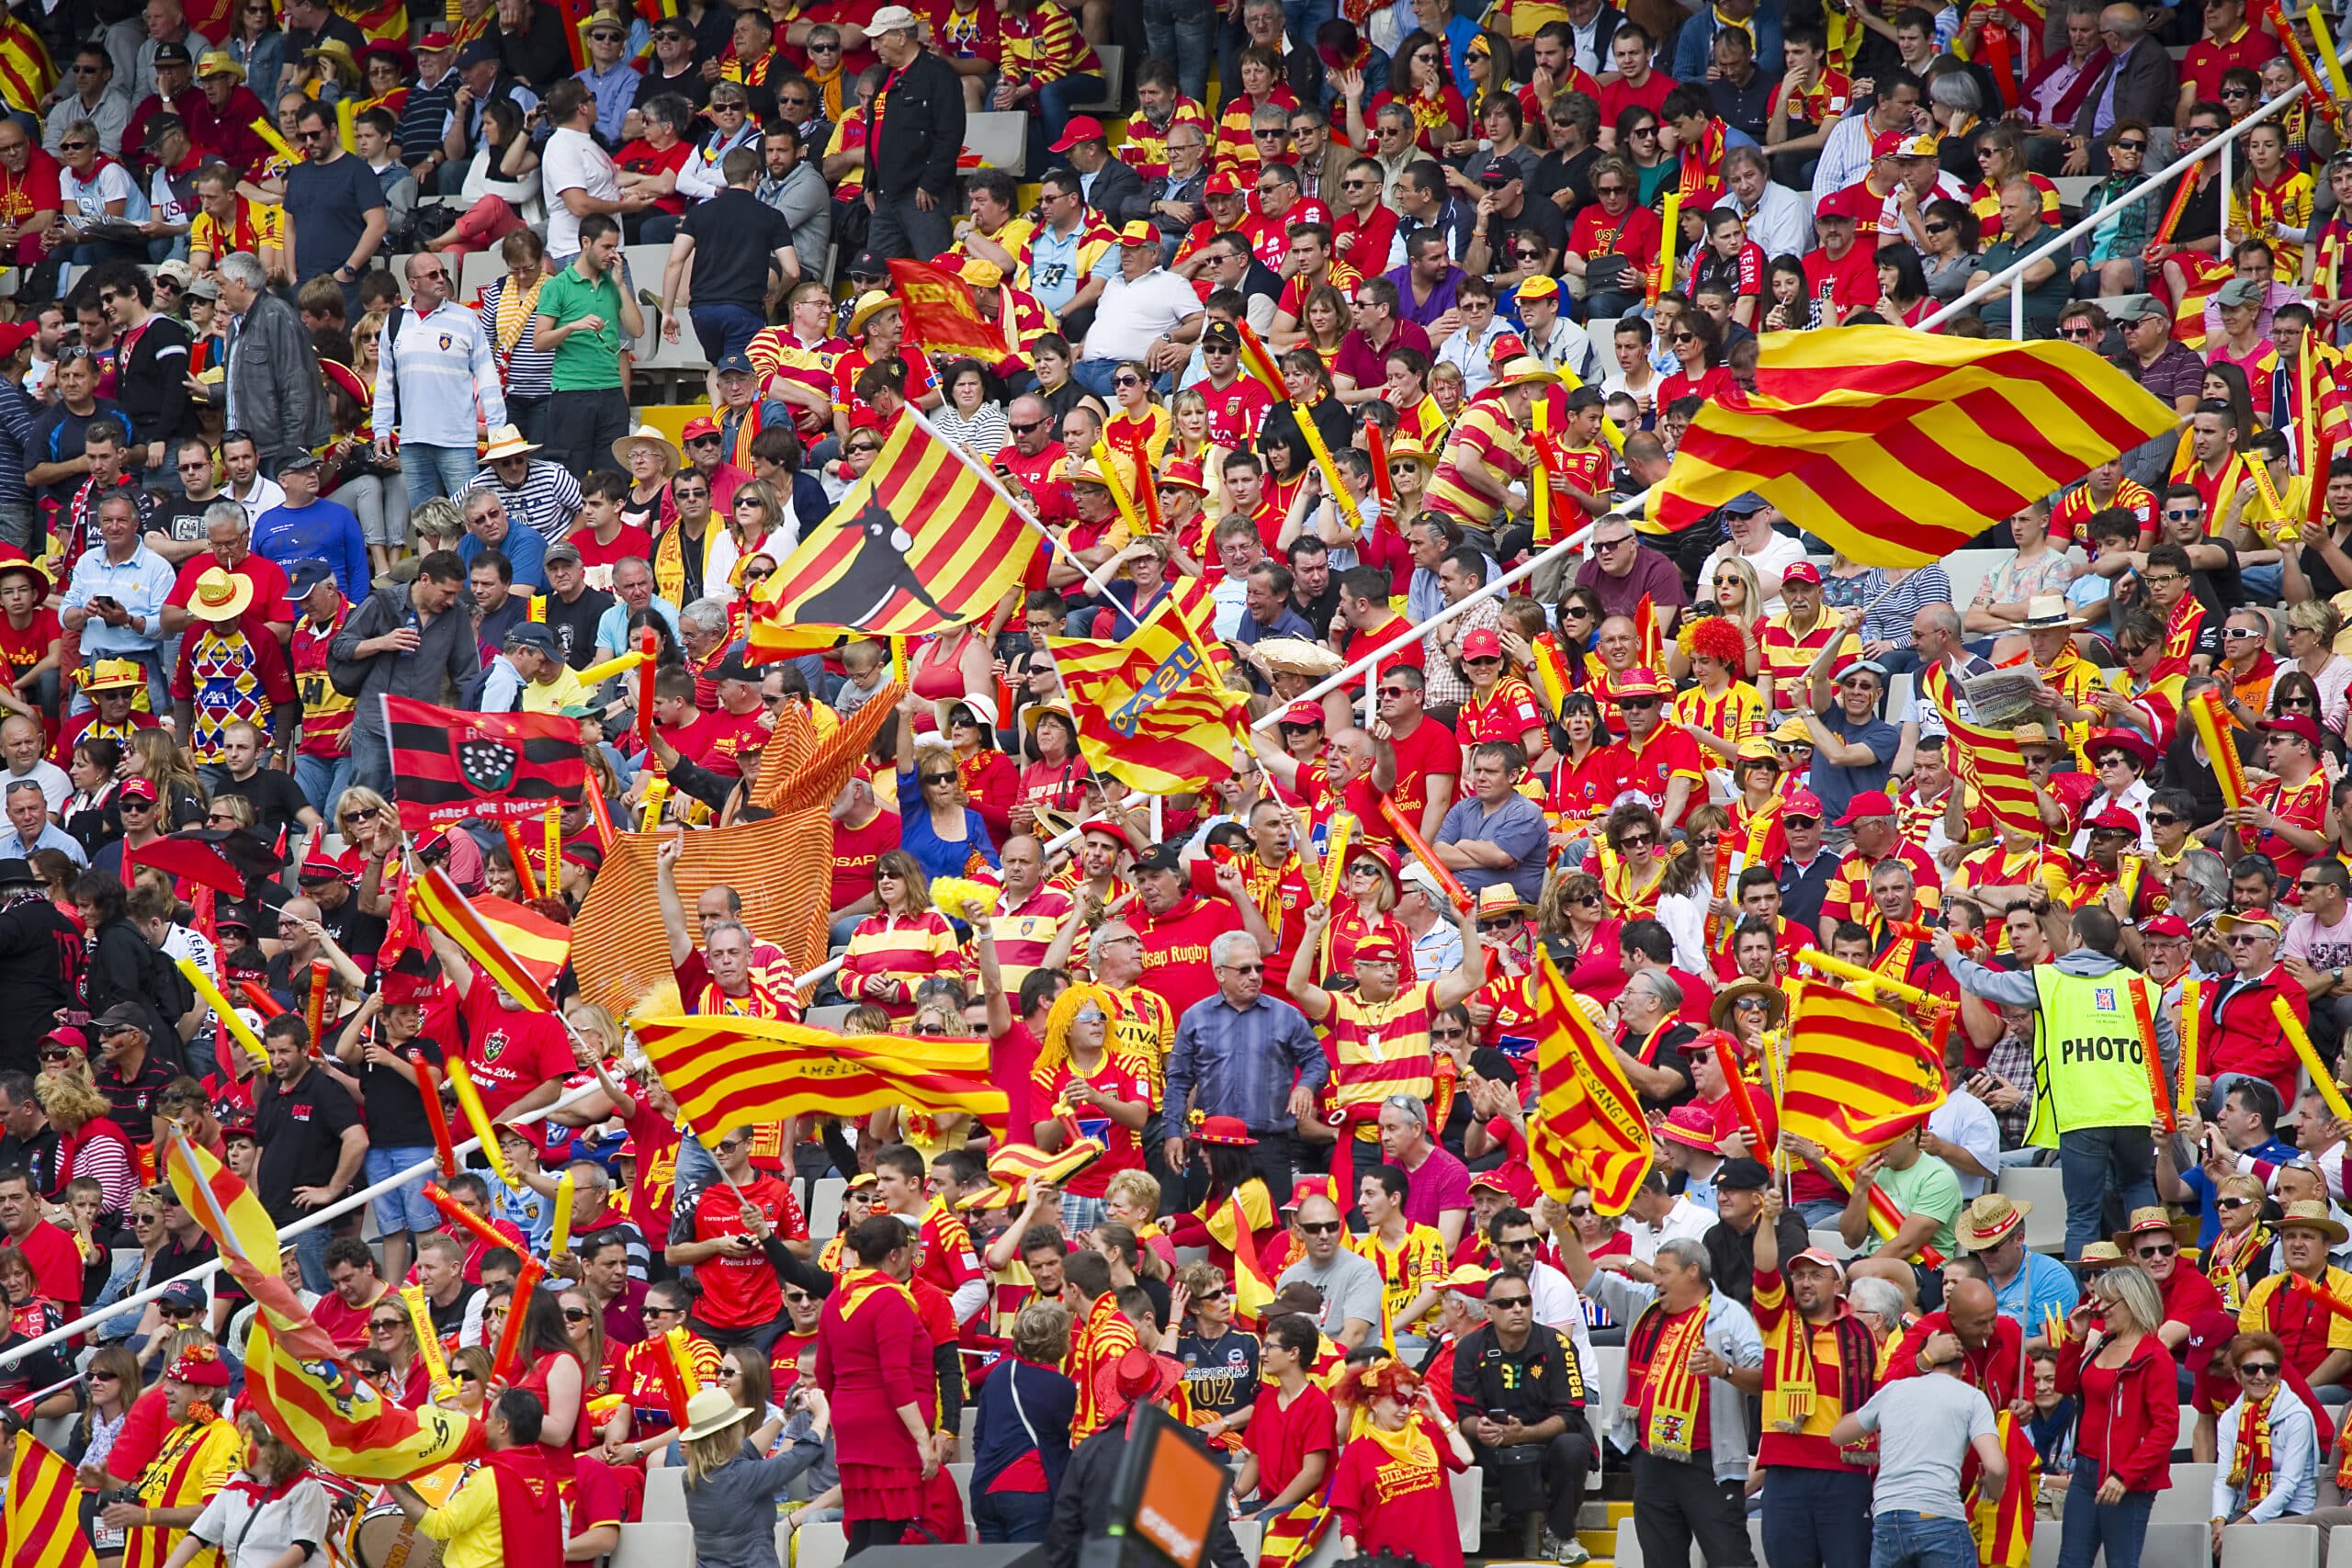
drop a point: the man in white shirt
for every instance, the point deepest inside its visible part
(1767, 552)
(435, 378)
(1655, 1217)
(578, 176)
(1146, 313)
(1779, 219)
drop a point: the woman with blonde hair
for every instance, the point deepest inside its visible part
(1084, 1077)
(904, 942)
(2310, 629)
(2125, 1385)
(1323, 323)
(272, 1514)
(757, 524)
(1132, 1199)
(2238, 1258)
(468, 1388)
(938, 825)
(152, 755)
(89, 1143)
(1139, 425)
(732, 1481)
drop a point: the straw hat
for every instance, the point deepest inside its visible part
(2102, 1255)
(1988, 1220)
(1527, 372)
(120, 674)
(870, 304)
(1725, 1006)
(2046, 612)
(507, 441)
(1296, 656)
(670, 455)
(220, 595)
(712, 1410)
(2154, 1220)
(2313, 1216)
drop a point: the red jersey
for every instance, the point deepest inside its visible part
(1117, 1075)
(628, 540)
(510, 1054)
(741, 1291)
(1235, 411)
(1176, 948)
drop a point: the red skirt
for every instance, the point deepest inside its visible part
(882, 1492)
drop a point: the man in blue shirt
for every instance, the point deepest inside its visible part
(2248, 1121)
(1497, 835)
(488, 527)
(115, 599)
(304, 528)
(1853, 748)
(30, 828)
(2026, 1285)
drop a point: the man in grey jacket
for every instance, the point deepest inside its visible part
(272, 385)
(416, 640)
(1682, 1493)
(2086, 1032)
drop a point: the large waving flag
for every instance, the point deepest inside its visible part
(25, 71)
(743, 1072)
(940, 317)
(1899, 447)
(41, 1523)
(1589, 1129)
(221, 1203)
(1987, 764)
(297, 1381)
(448, 764)
(522, 952)
(922, 544)
(1857, 1077)
(1153, 711)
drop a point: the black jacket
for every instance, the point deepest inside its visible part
(1082, 1503)
(914, 141)
(1118, 194)
(151, 389)
(41, 963)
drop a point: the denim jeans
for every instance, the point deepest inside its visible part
(311, 1253)
(2116, 1528)
(1183, 32)
(723, 329)
(322, 782)
(1816, 1519)
(436, 471)
(1011, 1516)
(2090, 1159)
(1054, 101)
(1900, 1539)
(404, 1208)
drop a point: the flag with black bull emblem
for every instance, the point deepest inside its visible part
(448, 764)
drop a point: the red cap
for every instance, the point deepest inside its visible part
(698, 428)
(1308, 1187)
(2172, 926)
(135, 788)
(1885, 144)
(1507, 346)
(1803, 572)
(1820, 1258)
(2300, 725)
(1080, 127)
(2114, 819)
(1303, 714)
(1869, 803)
(1802, 803)
(1379, 947)
(434, 41)
(1222, 184)
(1838, 203)
(1484, 643)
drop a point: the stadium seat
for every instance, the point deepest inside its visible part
(819, 1546)
(2045, 1227)
(1112, 59)
(477, 272)
(2265, 1546)
(2339, 1549)
(962, 1475)
(824, 1208)
(655, 1545)
(999, 138)
(1469, 1492)
(665, 1495)
(2188, 1498)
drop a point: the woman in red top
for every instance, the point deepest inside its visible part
(555, 1376)
(89, 1142)
(1588, 780)
(2126, 1387)
(1390, 1491)
(1291, 1429)
(1056, 780)
(1367, 895)
(583, 1326)
(1427, 92)
(1697, 342)
(1614, 225)
(874, 1362)
(991, 784)
(904, 942)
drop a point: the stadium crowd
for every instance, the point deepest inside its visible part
(1271, 1045)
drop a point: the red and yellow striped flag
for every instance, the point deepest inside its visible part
(1986, 763)
(922, 544)
(1151, 711)
(1589, 1129)
(1899, 447)
(1027, 1162)
(1857, 1077)
(25, 71)
(297, 1382)
(521, 951)
(740, 1072)
(42, 1521)
(2003, 1524)
(1293, 1535)
(221, 1203)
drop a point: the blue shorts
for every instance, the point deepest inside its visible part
(404, 1208)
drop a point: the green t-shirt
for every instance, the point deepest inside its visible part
(586, 361)
(1928, 1187)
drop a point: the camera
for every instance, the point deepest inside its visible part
(114, 1495)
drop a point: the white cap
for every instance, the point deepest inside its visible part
(893, 20)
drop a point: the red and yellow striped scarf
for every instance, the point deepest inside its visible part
(2251, 1471)
(1674, 1389)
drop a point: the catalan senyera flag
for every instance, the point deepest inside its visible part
(1293, 1535)
(940, 317)
(25, 71)
(1027, 1162)
(1258, 361)
(922, 544)
(305, 1392)
(221, 1202)
(41, 1523)
(1589, 1129)
(1986, 763)
(740, 1072)
(1899, 447)
(1857, 1076)
(521, 951)
(1152, 711)
(2003, 1524)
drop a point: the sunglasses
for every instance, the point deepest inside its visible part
(575, 1315)
(929, 1028)
(2132, 144)
(1583, 1213)
(606, 35)
(2156, 1251)
(1501, 925)
(2233, 1204)
(386, 1324)
(938, 778)
(1938, 228)
(1636, 841)
(1508, 1303)
(74, 146)
(1033, 424)
(1319, 1227)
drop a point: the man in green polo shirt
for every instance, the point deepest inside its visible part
(587, 315)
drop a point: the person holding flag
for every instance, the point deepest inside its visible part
(505, 1514)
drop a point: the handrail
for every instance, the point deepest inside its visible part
(2163, 179)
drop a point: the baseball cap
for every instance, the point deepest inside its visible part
(1080, 127)
(172, 54)
(536, 636)
(1160, 857)
(1802, 571)
(1303, 715)
(1220, 335)
(1868, 803)
(561, 554)
(733, 668)
(2171, 926)
(1483, 643)
(735, 364)
(1742, 1175)
(1139, 233)
(2240, 291)
(136, 788)
(1222, 183)
(162, 125)
(476, 52)
(122, 1015)
(435, 42)
(301, 462)
(306, 574)
(1800, 803)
